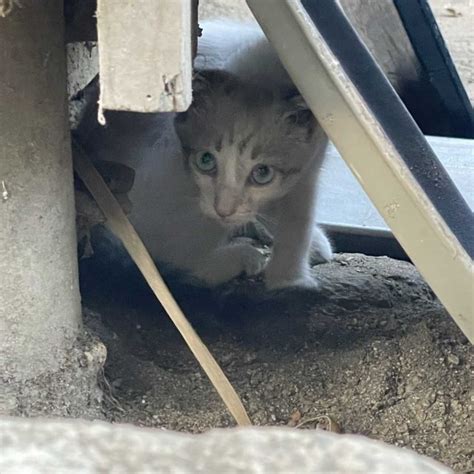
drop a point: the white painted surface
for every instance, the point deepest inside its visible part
(343, 202)
(145, 54)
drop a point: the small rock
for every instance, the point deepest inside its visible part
(456, 406)
(402, 428)
(413, 383)
(440, 408)
(453, 359)
(250, 357)
(100, 352)
(451, 12)
(226, 359)
(295, 418)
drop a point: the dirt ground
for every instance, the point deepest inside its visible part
(373, 349)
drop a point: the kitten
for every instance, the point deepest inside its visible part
(243, 152)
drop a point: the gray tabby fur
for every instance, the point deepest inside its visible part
(187, 218)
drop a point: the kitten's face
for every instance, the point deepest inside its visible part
(245, 146)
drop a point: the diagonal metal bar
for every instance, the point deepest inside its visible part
(380, 142)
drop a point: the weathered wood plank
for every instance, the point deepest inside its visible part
(145, 54)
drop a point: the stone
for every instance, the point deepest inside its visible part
(39, 445)
(453, 359)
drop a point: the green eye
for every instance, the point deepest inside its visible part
(262, 174)
(206, 162)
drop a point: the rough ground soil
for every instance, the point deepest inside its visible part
(72, 391)
(373, 349)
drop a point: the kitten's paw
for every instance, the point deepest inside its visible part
(300, 280)
(254, 261)
(321, 250)
(307, 283)
(228, 262)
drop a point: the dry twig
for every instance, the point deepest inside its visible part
(123, 229)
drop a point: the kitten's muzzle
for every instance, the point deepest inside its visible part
(234, 218)
(225, 206)
(225, 212)
(228, 210)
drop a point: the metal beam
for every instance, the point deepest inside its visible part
(378, 139)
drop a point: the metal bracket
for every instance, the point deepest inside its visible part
(378, 139)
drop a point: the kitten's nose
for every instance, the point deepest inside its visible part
(223, 212)
(225, 207)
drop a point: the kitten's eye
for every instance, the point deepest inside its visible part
(206, 162)
(262, 174)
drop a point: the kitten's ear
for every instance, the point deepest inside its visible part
(205, 84)
(201, 88)
(205, 81)
(298, 113)
(201, 82)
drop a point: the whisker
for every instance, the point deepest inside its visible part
(266, 220)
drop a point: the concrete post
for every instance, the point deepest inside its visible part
(39, 296)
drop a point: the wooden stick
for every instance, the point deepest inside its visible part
(123, 229)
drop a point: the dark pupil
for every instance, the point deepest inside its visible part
(206, 158)
(262, 171)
